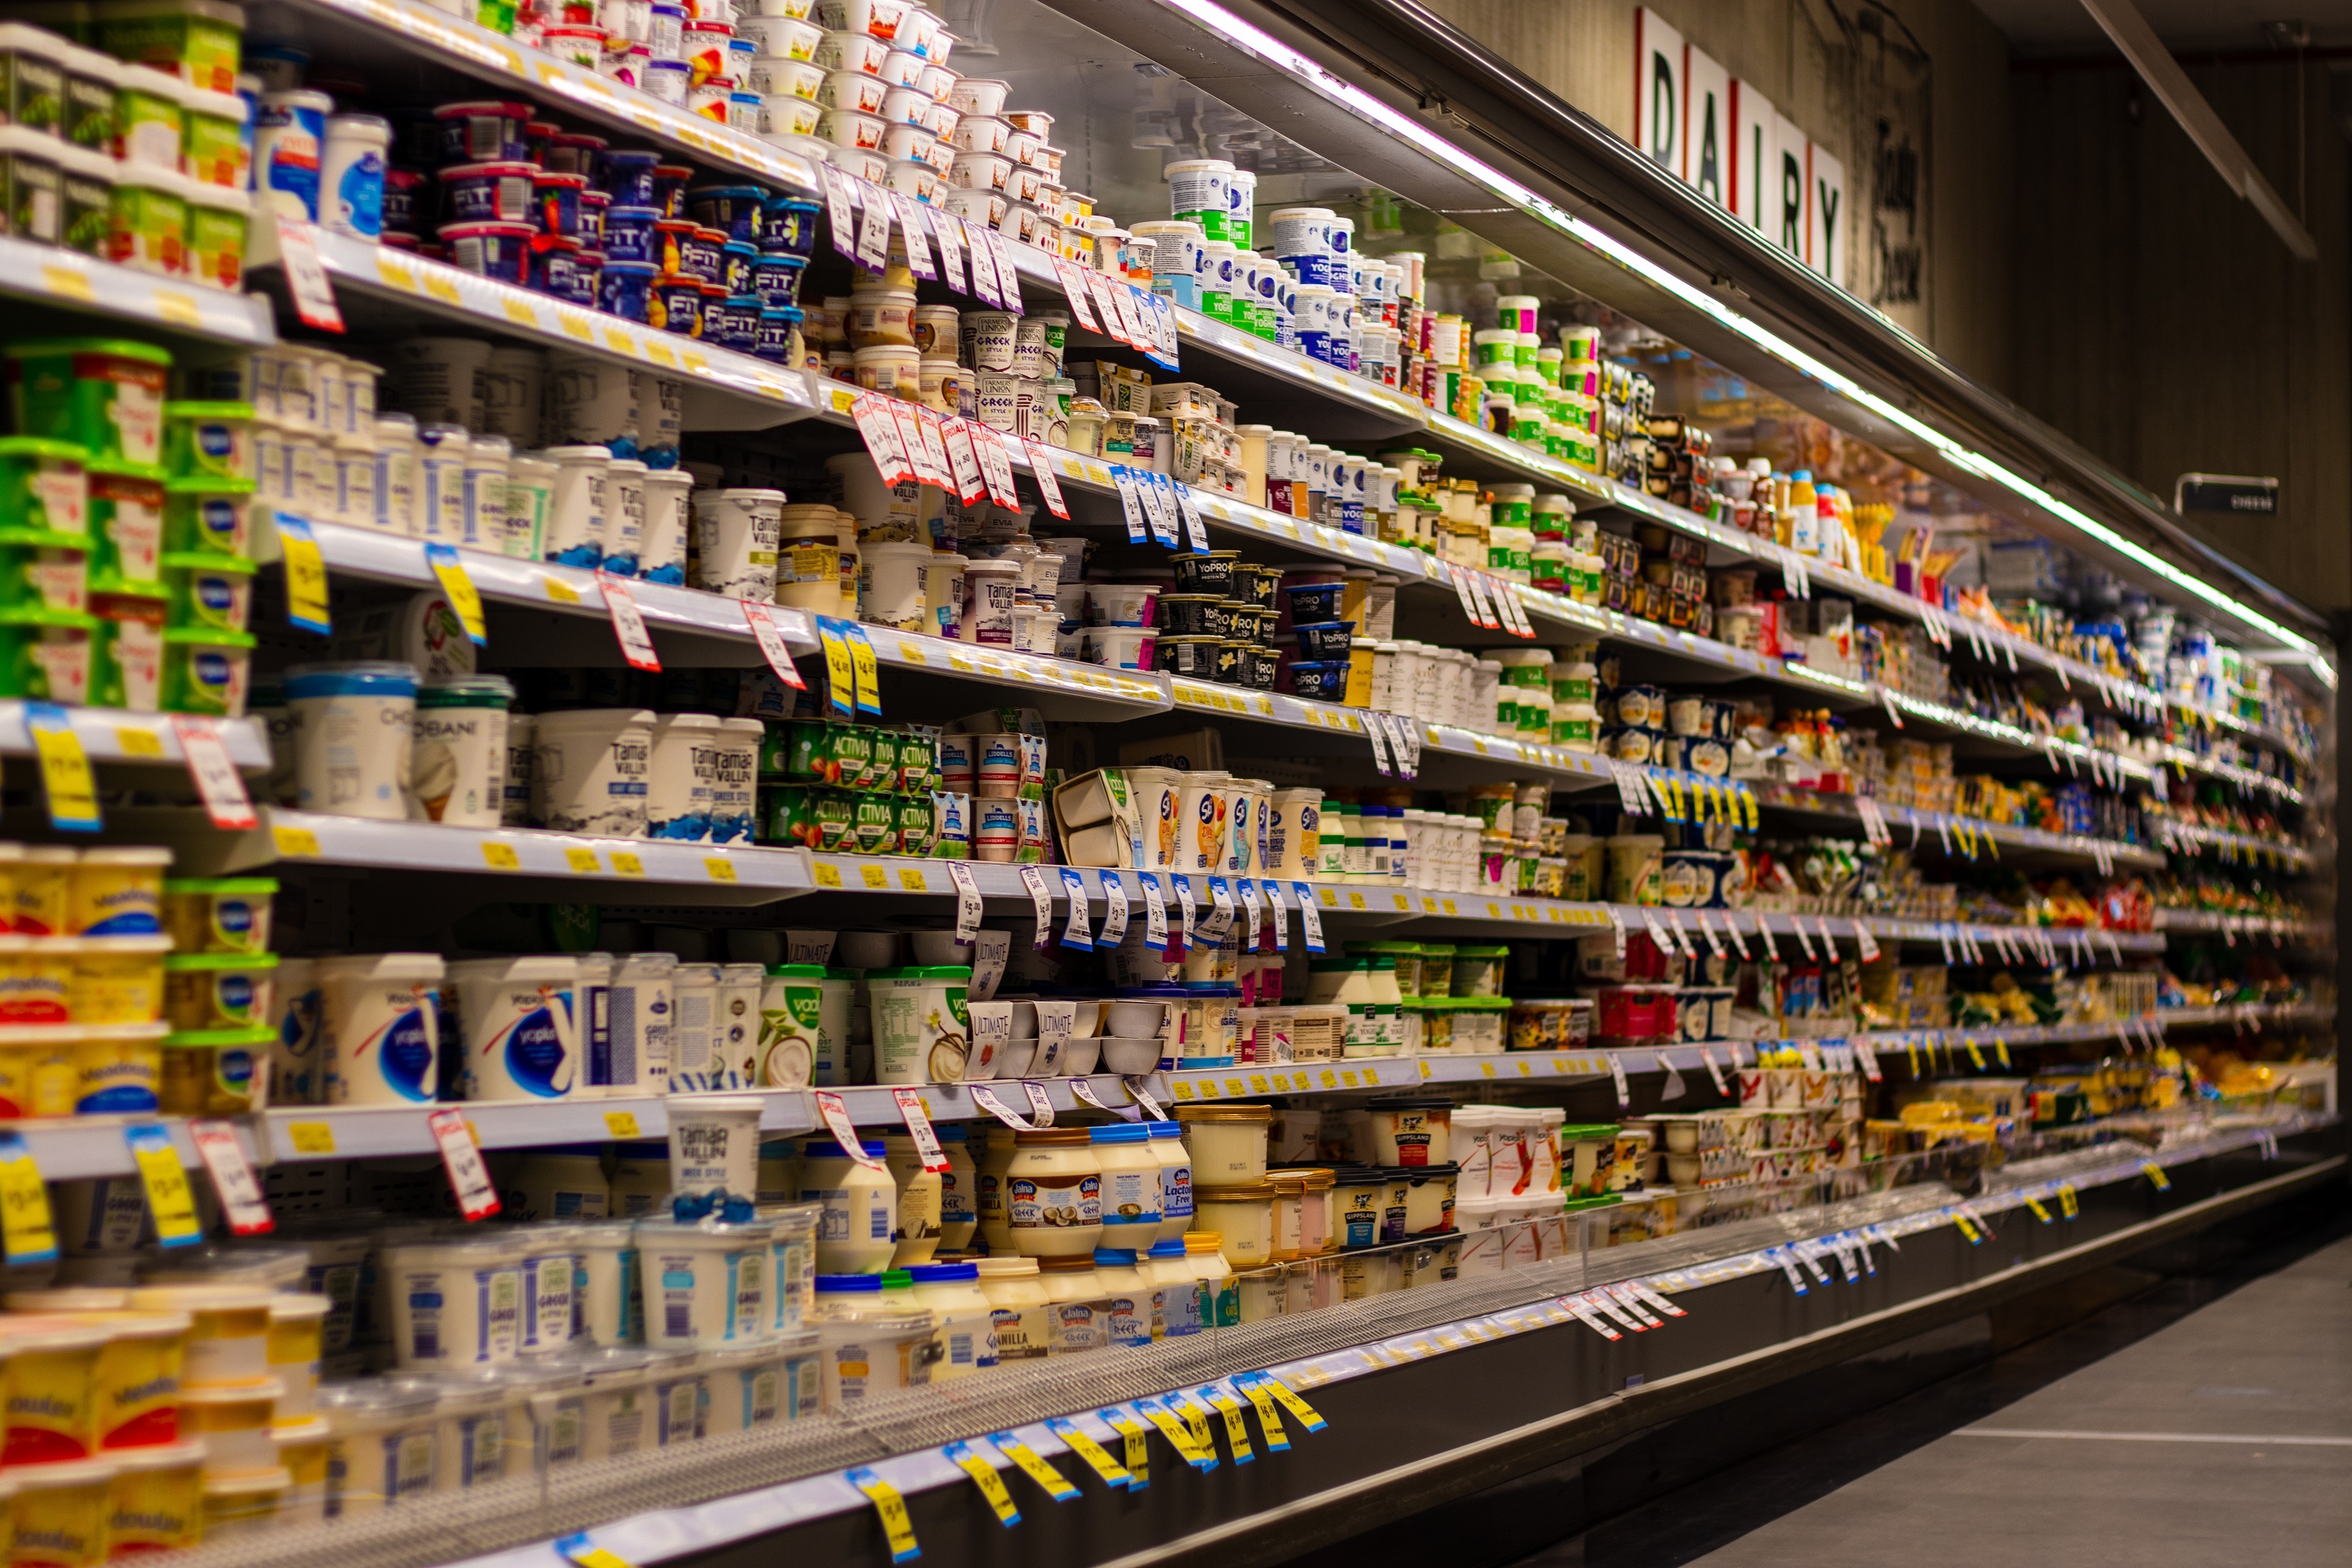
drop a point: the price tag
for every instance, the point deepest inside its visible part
(1482, 607)
(1460, 578)
(1163, 312)
(1008, 273)
(1279, 914)
(1869, 1058)
(879, 430)
(1253, 918)
(910, 224)
(1797, 925)
(840, 209)
(1183, 885)
(873, 252)
(1731, 928)
(1040, 468)
(928, 1148)
(1155, 912)
(2162, 1183)
(1828, 943)
(26, 1227)
(1041, 1104)
(1073, 289)
(773, 649)
(1377, 734)
(1682, 937)
(1135, 1435)
(66, 780)
(984, 281)
(1221, 911)
(216, 776)
(306, 274)
(2069, 1205)
(1075, 931)
(1196, 532)
(1714, 942)
(1617, 1077)
(1237, 1441)
(992, 1485)
(171, 1204)
(1179, 1435)
(1104, 294)
(1588, 1317)
(868, 673)
(996, 469)
(234, 1181)
(840, 673)
(581, 1552)
(1288, 1397)
(1310, 919)
(967, 921)
(922, 445)
(948, 237)
(1131, 501)
(1159, 507)
(628, 624)
(478, 1198)
(1714, 1070)
(306, 575)
(1096, 1457)
(1033, 1464)
(1616, 929)
(1041, 903)
(835, 1113)
(1114, 926)
(1648, 1295)
(450, 570)
(963, 461)
(896, 1528)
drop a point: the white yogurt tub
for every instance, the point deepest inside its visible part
(745, 1386)
(457, 1303)
(681, 777)
(352, 726)
(641, 1011)
(1119, 648)
(1226, 1142)
(382, 1447)
(589, 769)
(705, 1284)
(551, 1279)
(857, 1207)
(381, 1028)
(735, 535)
(604, 1286)
(714, 1142)
(519, 1040)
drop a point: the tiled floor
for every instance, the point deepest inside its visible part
(2270, 1360)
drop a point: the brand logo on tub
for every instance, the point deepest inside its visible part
(534, 1054)
(403, 1050)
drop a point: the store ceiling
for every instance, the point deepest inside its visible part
(2064, 27)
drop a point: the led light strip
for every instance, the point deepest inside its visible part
(1347, 95)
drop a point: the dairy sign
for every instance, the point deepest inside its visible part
(1726, 141)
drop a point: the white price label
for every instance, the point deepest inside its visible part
(1114, 926)
(1008, 275)
(772, 647)
(1617, 1077)
(1073, 289)
(1074, 930)
(1183, 885)
(1220, 912)
(216, 776)
(1253, 918)
(1377, 734)
(1714, 1070)
(985, 1098)
(1155, 912)
(234, 1181)
(911, 224)
(963, 461)
(873, 249)
(919, 1128)
(1278, 915)
(1040, 468)
(1131, 501)
(966, 919)
(306, 276)
(1310, 919)
(1041, 902)
(835, 1113)
(950, 243)
(628, 623)
(984, 262)
(996, 467)
(1041, 1104)
(1196, 532)
(469, 1179)
(1868, 1056)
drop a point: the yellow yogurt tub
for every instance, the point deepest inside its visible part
(302, 1450)
(218, 914)
(244, 1504)
(215, 1072)
(60, 1513)
(119, 1070)
(117, 890)
(53, 1396)
(232, 1421)
(139, 1377)
(36, 989)
(44, 879)
(37, 1079)
(105, 988)
(156, 1501)
(297, 1334)
(228, 1335)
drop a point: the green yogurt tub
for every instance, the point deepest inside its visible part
(44, 654)
(213, 146)
(104, 394)
(147, 228)
(208, 440)
(32, 186)
(215, 515)
(127, 652)
(90, 119)
(86, 184)
(217, 220)
(33, 78)
(209, 591)
(206, 672)
(150, 121)
(42, 570)
(198, 41)
(43, 485)
(126, 527)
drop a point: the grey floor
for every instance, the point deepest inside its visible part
(2224, 1437)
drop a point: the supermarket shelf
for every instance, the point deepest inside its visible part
(2248, 1013)
(1527, 1383)
(66, 280)
(2279, 931)
(112, 735)
(2246, 779)
(725, 389)
(2192, 839)
(445, 39)
(1954, 830)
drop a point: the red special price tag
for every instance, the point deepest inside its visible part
(770, 638)
(1049, 484)
(234, 1181)
(963, 461)
(217, 778)
(469, 1179)
(835, 1116)
(919, 1128)
(629, 625)
(997, 468)
(1073, 289)
(880, 433)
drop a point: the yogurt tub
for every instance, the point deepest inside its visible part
(1242, 1218)
(1227, 1143)
(59, 1513)
(858, 1206)
(229, 1332)
(589, 771)
(520, 1039)
(381, 1446)
(714, 1143)
(1411, 1132)
(1053, 1193)
(379, 1029)
(604, 1284)
(155, 1502)
(457, 1303)
(232, 1422)
(705, 1284)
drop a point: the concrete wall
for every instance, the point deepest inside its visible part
(1814, 60)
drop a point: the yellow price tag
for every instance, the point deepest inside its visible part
(992, 1485)
(719, 868)
(2040, 1213)
(310, 1137)
(1207, 1088)
(896, 1528)
(828, 875)
(1098, 1457)
(1487, 1069)
(582, 861)
(1237, 1440)
(1183, 1088)
(1257, 1084)
(138, 742)
(874, 877)
(1330, 1079)
(911, 878)
(868, 672)
(26, 1227)
(501, 858)
(169, 1202)
(1137, 1437)
(1290, 1400)
(2001, 1049)
(621, 1123)
(626, 863)
(1967, 1228)
(295, 842)
(1269, 1419)
(840, 673)
(66, 779)
(2068, 1204)
(560, 592)
(1033, 1464)
(1975, 1055)
(2156, 1175)
(1234, 1087)
(1178, 1433)
(65, 282)
(1349, 1078)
